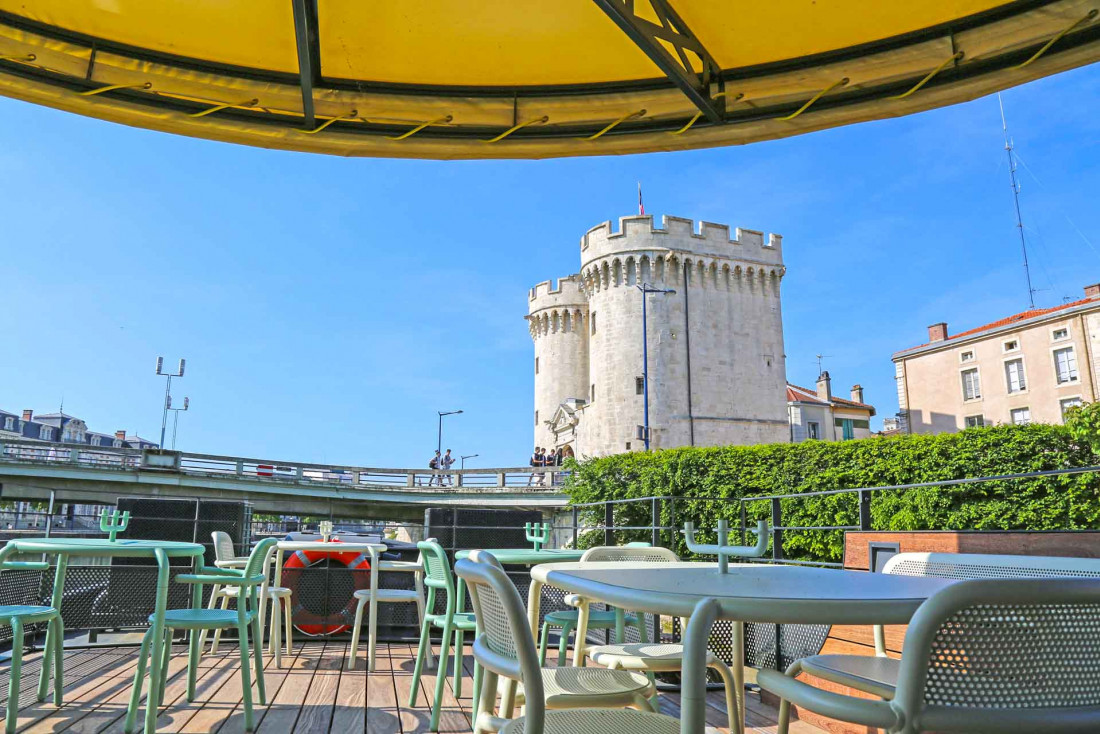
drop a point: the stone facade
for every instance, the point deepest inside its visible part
(716, 364)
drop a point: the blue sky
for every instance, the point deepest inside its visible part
(329, 307)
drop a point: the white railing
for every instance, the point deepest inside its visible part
(271, 470)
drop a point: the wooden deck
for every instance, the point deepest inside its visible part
(312, 693)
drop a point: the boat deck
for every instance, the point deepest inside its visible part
(313, 692)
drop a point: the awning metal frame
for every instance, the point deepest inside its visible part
(309, 55)
(647, 36)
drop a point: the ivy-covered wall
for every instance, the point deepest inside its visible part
(729, 473)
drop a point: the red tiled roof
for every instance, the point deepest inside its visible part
(796, 394)
(1022, 316)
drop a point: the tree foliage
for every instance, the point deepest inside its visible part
(709, 483)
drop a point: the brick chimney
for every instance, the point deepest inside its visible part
(1092, 291)
(28, 415)
(825, 386)
(937, 332)
(857, 393)
(120, 435)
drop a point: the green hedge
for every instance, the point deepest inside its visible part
(729, 473)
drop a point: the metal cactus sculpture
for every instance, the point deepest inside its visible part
(724, 551)
(537, 533)
(113, 523)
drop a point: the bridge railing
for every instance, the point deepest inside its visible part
(213, 465)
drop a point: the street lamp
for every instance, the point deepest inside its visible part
(167, 392)
(646, 289)
(462, 460)
(439, 441)
(176, 417)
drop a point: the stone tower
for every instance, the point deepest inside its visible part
(716, 366)
(558, 320)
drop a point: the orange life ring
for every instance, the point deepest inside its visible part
(316, 623)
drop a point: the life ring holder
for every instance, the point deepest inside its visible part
(306, 621)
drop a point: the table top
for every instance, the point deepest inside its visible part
(106, 547)
(519, 556)
(336, 547)
(749, 592)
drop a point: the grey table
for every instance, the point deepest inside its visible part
(748, 593)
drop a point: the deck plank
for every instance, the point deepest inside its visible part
(349, 715)
(316, 715)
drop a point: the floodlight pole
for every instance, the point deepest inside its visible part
(167, 393)
(646, 289)
(176, 417)
(462, 459)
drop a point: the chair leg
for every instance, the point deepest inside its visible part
(47, 662)
(487, 704)
(165, 656)
(59, 662)
(356, 633)
(258, 657)
(479, 673)
(218, 632)
(441, 674)
(194, 654)
(785, 705)
(421, 653)
(421, 614)
(543, 639)
(16, 674)
(289, 622)
(563, 642)
(213, 603)
(275, 630)
(733, 696)
(459, 655)
(246, 677)
(139, 682)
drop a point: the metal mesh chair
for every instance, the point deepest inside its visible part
(225, 553)
(505, 648)
(569, 620)
(655, 657)
(1005, 655)
(16, 616)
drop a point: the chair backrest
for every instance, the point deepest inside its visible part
(258, 562)
(983, 566)
(636, 554)
(223, 546)
(1007, 655)
(504, 645)
(437, 568)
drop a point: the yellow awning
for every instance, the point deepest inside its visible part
(524, 78)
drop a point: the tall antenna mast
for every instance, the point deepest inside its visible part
(1016, 199)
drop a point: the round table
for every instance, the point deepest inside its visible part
(527, 556)
(747, 593)
(160, 550)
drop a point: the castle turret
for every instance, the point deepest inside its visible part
(558, 321)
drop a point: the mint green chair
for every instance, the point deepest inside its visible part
(16, 616)
(199, 619)
(437, 577)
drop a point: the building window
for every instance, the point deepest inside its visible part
(96, 440)
(536, 365)
(639, 385)
(536, 417)
(1059, 334)
(45, 433)
(117, 444)
(592, 394)
(972, 384)
(9, 423)
(592, 320)
(1069, 403)
(1021, 416)
(967, 356)
(1012, 345)
(813, 430)
(1014, 375)
(975, 421)
(1065, 365)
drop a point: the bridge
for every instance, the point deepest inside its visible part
(69, 473)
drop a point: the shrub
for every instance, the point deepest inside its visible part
(708, 483)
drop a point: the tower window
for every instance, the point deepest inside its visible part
(639, 385)
(536, 417)
(592, 319)
(536, 365)
(593, 393)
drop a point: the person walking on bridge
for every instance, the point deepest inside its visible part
(445, 465)
(433, 464)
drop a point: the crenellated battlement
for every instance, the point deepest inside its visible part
(683, 235)
(567, 293)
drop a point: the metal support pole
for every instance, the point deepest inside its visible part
(744, 523)
(645, 373)
(608, 524)
(49, 514)
(164, 415)
(777, 533)
(655, 514)
(576, 529)
(864, 509)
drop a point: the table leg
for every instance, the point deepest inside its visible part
(196, 639)
(52, 640)
(693, 692)
(278, 582)
(739, 670)
(156, 653)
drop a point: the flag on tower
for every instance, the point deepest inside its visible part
(641, 206)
